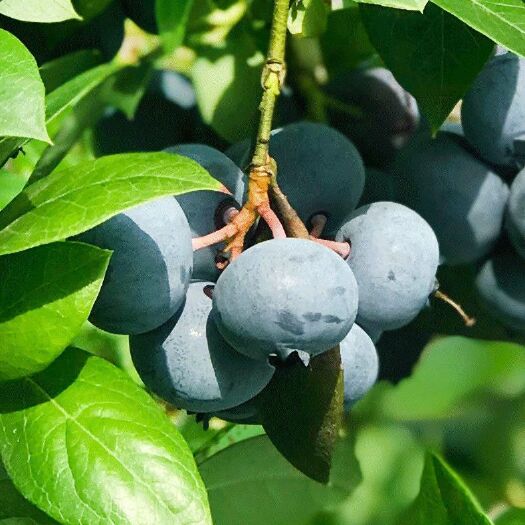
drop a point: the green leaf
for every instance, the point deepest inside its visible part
(391, 461)
(89, 9)
(444, 499)
(438, 390)
(22, 111)
(433, 55)
(70, 93)
(227, 83)
(411, 5)
(345, 44)
(11, 184)
(310, 401)
(84, 115)
(62, 98)
(86, 445)
(46, 295)
(502, 21)
(14, 509)
(38, 10)
(225, 438)
(307, 18)
(76, 199)
(125, 89)
(250, 482)
(172, 18)
(61, 70)
(511, 517)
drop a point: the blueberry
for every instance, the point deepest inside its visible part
(318, 169)
(387, 117)
(217, 164)
(493, 110)
(516, 214)
(285, 295)
(394, 257)
(150, 268)
(187, 363)
(457, 194)
(360, 365)
(501, 285)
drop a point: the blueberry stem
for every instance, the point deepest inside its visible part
(469, 321)
(318, 224)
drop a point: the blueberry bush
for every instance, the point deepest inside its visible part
(262, 262)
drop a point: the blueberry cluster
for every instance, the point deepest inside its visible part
(206, 333)
(208, 341)
(468, 186)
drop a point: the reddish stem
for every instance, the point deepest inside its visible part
(214, 238)
(269, 216)
(318, 224)
(341, 248)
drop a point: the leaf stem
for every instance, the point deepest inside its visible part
(272, 80)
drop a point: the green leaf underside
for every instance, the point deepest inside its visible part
(73, 200)
(86, 445)
(433, 55)
(444, 499)
(250, 482)
(46, 294)
(62, 98)
(22, 109)
(172, 18)
(38, 10)
(503, 21)
(310, 401)
(411, 5)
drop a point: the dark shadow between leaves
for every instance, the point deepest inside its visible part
(35, 390)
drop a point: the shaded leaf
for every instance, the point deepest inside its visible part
(224, 438)
(46, 295)
(84, 115)
(228, 86)
(73, 200)
(307, 18)
(511, 517)
(391, 461)
(70, 93)
(61, 70)
(250, 482)
(38, 11)
(502, 21)
(62, 98)
(438, 390)
(86, 445)
(310, 400)
(345, 44)
(14, 509)
(22, 112)
(433, 55)
(172, 18)
(11, 184)
(444, 499)
(126, 88)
